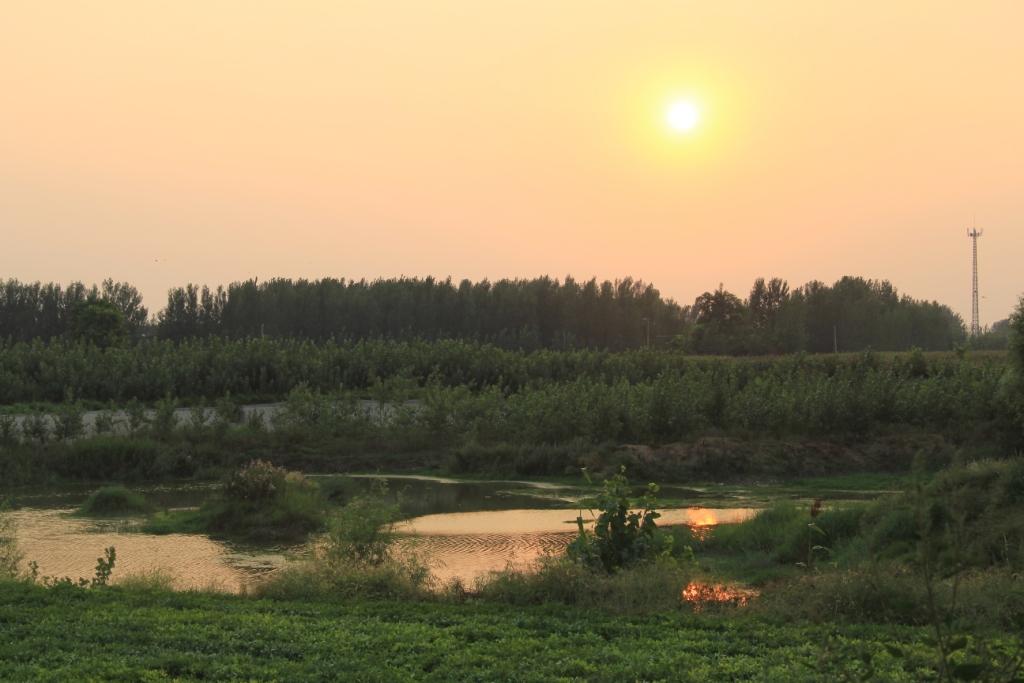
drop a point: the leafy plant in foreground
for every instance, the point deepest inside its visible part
(622, 535)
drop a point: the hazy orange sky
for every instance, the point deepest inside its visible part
(213, 140)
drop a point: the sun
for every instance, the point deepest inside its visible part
(682, 116)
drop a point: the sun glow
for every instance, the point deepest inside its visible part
(682, 116)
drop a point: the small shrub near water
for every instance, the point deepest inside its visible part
(115, 500)
(362, 532)
(257, 503)
(622, 536)
(355, 559)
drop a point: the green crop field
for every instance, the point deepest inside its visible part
(137, 636)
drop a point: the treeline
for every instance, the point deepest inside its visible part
(526, 314)
(268, 369)
(853, 314)
(35, 311)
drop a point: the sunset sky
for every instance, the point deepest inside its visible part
(213, 140)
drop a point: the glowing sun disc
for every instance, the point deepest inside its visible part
(682, 116)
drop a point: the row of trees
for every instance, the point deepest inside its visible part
(853, 314)
(267, 369)
(529, 314)
(100, 314)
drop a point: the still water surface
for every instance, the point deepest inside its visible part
(463, 529)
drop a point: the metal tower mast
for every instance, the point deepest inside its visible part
(974, 234)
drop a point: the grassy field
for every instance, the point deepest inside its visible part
(114, 634)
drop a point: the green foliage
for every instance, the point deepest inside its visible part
(114, 501)
(100, 579)
(9, 555)
(226, 412)
(99, 314)
(622, 536)
(479, 409)
(982, 502)
(8, 429)
(643, 588)
(258, 503)
(269, 368)
(1017, 334)
(68, 422)
(108, 458)
(530, 314)
(36, 427)
(256, 482)
(119, 634)
(355, 558)
(853, 313)
(1013, 389)
(98, 323)
(362, 532)
(165, 419)
(137, 417)
(403, 579)
(770, 531)
(198, 419)
(104, 422)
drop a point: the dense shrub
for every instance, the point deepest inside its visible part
(992, 599)
(9, 555)
(259, 503)
(362, 532)
(114, 500)
(967, 516)
(649, 587)
(355, 558)
(109, 457)
(625, 531)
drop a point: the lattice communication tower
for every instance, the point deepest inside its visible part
(974, 234)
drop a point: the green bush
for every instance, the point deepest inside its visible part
(857, 595)
(768, 531)
(403, 579)
(114, 500)
(991, 599)
(9, 555)
(258, 503)
(68, 422)
(165, 419)
(362, 532)
(109, 457)
(654, 586)
(8, 429)
(355, 558)
(622, 536)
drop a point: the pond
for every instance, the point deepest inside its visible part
(462, 528)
